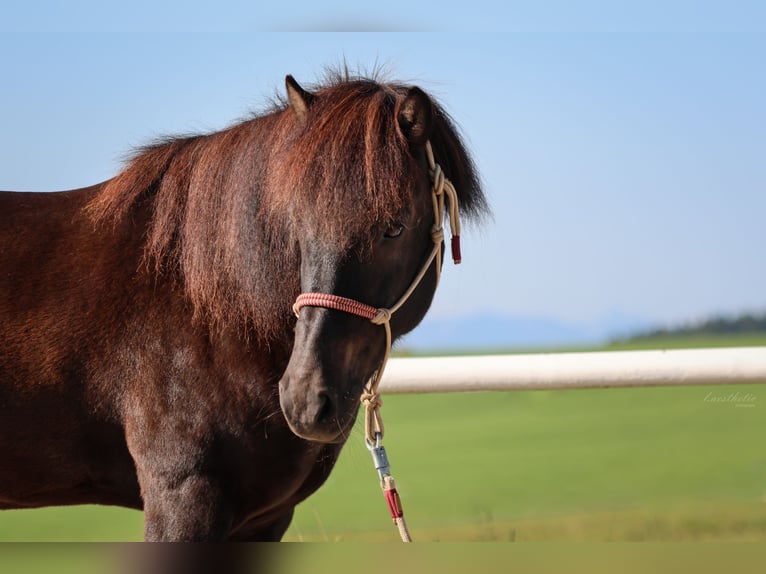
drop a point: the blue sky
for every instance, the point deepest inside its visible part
(624, 162)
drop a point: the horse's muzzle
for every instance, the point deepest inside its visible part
(313, 411)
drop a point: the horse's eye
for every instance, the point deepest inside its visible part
(394, 230)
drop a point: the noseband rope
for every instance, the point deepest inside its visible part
(443, 195)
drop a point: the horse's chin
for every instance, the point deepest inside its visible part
(319, 435)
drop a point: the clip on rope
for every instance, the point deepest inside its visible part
(380, 459)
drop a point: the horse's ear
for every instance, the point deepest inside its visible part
(300, 100)
(416, 117)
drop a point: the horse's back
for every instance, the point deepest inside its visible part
(29, 213)
(34, 223)
(43, 239)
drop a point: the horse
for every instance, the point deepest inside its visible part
(149, 354)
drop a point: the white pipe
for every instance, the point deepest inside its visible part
(575, 370)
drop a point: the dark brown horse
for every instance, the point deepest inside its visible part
(149, 357)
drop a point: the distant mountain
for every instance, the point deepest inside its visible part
(489, 331)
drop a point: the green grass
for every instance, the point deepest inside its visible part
(615, 464)
(72, 523)
(603, 464)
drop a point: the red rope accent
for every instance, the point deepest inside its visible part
(394, 503)
(456, 256)
(330, 301)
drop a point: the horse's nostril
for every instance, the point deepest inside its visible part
(326, 409)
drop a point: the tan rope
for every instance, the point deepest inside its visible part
(373, 422)
(404, 532)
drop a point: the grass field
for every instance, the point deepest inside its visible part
(619, 464)
(606, 464)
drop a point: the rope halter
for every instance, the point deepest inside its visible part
(443, 195)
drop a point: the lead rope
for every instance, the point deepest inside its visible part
(443, 194)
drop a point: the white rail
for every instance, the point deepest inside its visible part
(575, 370)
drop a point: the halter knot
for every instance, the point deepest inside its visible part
(371, 399)
(383, 316)
(373, 422)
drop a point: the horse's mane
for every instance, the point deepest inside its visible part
(224, 206)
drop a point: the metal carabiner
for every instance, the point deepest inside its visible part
(379, 456)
